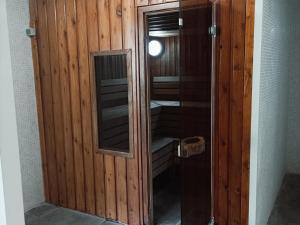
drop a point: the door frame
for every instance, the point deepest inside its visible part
(146, 157)
(146, 154)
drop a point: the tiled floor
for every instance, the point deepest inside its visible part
(50, 215)
(287, 207)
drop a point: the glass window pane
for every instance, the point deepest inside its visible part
(112, 91)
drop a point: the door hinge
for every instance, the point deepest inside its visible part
(31, 32)
(213, 31)
(180, 22)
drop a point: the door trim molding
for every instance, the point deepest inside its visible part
(144, 87)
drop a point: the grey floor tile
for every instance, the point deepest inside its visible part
(30, 218)
(287, 207)
(42, 210)
(110, 223)
(61, 216)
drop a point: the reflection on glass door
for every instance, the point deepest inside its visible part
(195, 122)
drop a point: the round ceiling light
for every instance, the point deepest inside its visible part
(155, 48)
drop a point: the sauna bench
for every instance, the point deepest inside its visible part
(115, 123)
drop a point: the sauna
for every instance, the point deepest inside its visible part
(139, 107)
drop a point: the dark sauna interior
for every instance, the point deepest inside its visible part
(180, 103)
(112, 101)
(164, 87)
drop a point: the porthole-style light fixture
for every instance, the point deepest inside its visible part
(155, 48)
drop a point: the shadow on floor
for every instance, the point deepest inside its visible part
(166, 199)
(47, 214)
(286, 210)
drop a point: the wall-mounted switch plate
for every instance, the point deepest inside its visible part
(31, 32)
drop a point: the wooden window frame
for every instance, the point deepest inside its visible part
(96, 124)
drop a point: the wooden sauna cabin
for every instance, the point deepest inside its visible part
(136, 109)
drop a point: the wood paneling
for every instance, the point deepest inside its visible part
(56, 100)
(47, 101)
(75, 104)
(84, 76)
(234, 71)
(75, 176)
(66, 106)
(168, 63)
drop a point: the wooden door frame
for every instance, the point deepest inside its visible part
(146, 158)
(145, 98)
(233, 125)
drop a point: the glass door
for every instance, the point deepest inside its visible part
(195, 149)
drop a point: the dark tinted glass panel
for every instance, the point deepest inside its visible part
(111, 78)
(195, 99)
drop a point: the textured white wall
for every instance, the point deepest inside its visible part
(22, 70)
(270, 103)
(293, 144)
(255, 110)
(11, 202)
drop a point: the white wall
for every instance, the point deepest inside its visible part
(24, 90)
(11, 201)
(270, 103)
(293, 145)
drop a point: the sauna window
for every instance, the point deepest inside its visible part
(112, 102)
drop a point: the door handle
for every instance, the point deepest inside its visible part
(191, 146)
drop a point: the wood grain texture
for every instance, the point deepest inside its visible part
(236, 110)
(88, 152)
(57, 100)
(77, 177)
(116, 14)
(46, 93)
(168, 63)
(75, 104)
(66, 104)
(223, 103)
(94, 46)
(248, 68)
(132, 165)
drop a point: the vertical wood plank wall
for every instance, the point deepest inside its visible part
(168, 63)
(77, 177)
